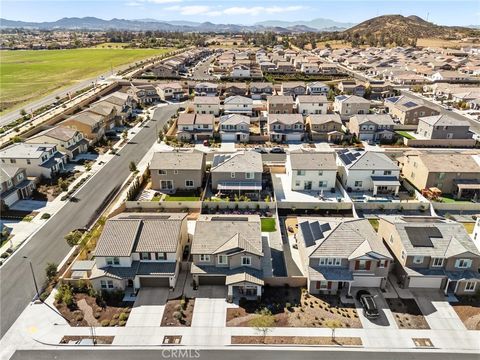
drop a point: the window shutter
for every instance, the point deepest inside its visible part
(317, 285)
(357, 264)
(329, 285)
(367, 265)
(456, 263)
(469, 263)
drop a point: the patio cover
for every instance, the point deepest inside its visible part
(327, 273)
(385, 181)
(244, 185)
(467, 183)
(243, 277)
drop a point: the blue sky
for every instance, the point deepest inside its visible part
(452, 12)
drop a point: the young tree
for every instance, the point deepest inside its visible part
(132, 166)
(51, 271)
(263, 322)
(63, 184)
(73, 237)
(125, 134)
(333, 325)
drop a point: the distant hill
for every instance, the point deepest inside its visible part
(318, 24)
(412, 27)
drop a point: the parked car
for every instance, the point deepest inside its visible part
(260, 150)
(277, 150)
(206, 143)
(368, 302)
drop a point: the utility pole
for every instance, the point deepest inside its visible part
(33, 276)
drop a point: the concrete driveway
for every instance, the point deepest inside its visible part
(148, 307)
(385, 320)
(209, 312)
(28, 205)
(212, 291)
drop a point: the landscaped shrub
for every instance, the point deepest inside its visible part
(122, 323)
(79, 317)
(113, 322)
(105, 323)
(123, 317)
(44, 295)
(177, 315)
(115, 316)
(97, 315)
(178, 307)
(45, 216)
(183, 303)
(67, 298)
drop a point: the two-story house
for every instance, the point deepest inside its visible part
(191, 126)
(339, 254)
(285, 127)
(227, 250)
(90, 124)
(372, 127)
(261, 90)
(207, 105)
(408, 110)
(238, 105)
(144, 94)
(311, 170)
(311, 104)
(240, 172)
(171, 92)
(234, 127)
(280, 104)
(177, 170)
(68, 141)
(139, 250)
(443, 127)
(206, 89)
(368, 171)
(349, 105)
(38, 160)
(325, 127)
(432, 253)
(235, 88)
(317, 88)
(293, 88)
(14, 185)
(107, 110)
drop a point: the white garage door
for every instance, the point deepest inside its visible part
(366, 137)
(228, 137)
(11, 199)
(366, 281)
(425, 282)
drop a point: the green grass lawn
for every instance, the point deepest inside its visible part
(405, 134)
(27, 75)
(374, 223)
(268, 224)
(450, 200)
(469, 227)
(181, 198)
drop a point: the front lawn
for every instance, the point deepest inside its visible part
(374, 223)
(405, 134)
(178, 312)
(295, 307)
(296, 340)
(181, 198)
(407, 314)
(268, 224)
(469, 227)
(451, 200)
(468, 310)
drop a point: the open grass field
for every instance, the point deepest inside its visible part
(441, 43)
(28, 75)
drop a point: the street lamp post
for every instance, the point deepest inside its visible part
(33, 276)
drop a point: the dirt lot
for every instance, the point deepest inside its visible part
(468, 310)
(98, 339)
(296, 340)
(176, 308)
(49, 189)
(407, 314)
(292, 307)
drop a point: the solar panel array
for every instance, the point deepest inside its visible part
(218, 159)
(422, 236)
(348, 156)
(410, 104)
(341, 97)
(313, 231)
(393, 99)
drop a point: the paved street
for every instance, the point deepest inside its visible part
(48, 244)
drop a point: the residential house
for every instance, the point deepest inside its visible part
(124, 103)
(432, 253)
(280, 104)
(261, 90)
(240, 172)
(139, 250)
(236, 88)
(368, 171)
(443, 127)
(191, 126)
(227, 250)
(173, 171)
(311, 104)
(144, 94)
(317, 88)
(293, 88)
(207, 105)
(206, 89)
(454, 173)
(240, 71)
(311, 170)
(234, 127)
(14, 185)
(285, 127)
(238, 105)
(171, 92)
(107, 110)
(372, 127)
(68, 141)
(351, 87)
(325, 127)
(350, 105)
(408, 110)
(90, 124)
(339, 254)
(38, 160)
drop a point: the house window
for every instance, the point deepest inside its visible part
(161, 256)
(387, 172)
(106, 284)
(322, 285)
(222, 260)
(463, 263)
(162, 172)
(297, 183)
(204, 258)
(320, 173)
(418, 259)
(358, 183)
(175, 172)
(362, 265)
(437, 262)
(330, 261)
(145, 256)
(322, 184)
(470, 286)
(29, 162)
(13, 161)
(249, 175)
(232, 175)
(382, 264)
(189, 183)
(113, 261)
(300, 172)
(246, 260)
(20, 177)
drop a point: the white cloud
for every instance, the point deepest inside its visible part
(235, 10)
(191, 10)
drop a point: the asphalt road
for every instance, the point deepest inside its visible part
(48, 244)
(232, 353)
(199, 73)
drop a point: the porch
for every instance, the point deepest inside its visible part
(385, 185)
(467, 188)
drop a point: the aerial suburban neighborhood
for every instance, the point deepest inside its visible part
(196, 189)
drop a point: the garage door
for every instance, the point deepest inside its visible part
(154, 282)
(425, 282)
(367, 281)
(10, 200)
(366, 137)
(228, 137)
(211, 280)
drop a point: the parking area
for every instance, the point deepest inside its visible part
(29, 205)
(210, 312)
(385, 320)
(149, 307)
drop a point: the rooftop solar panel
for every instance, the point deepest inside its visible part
(351, 157)
(422, 236)
(341, 97)
(357, 154)
(409, 104)
(393, 99)
(325, 227)
(345, 159)
(316, 230)
(307, 234)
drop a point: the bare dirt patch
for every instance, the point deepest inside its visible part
(296, 340)
(294, 307)
(422, 342)
(98, 339)
(178, 312)
(468, 310)
(407, 314)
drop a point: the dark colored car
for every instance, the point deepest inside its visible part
(368, 303)
(260, 150)
(277, 150)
